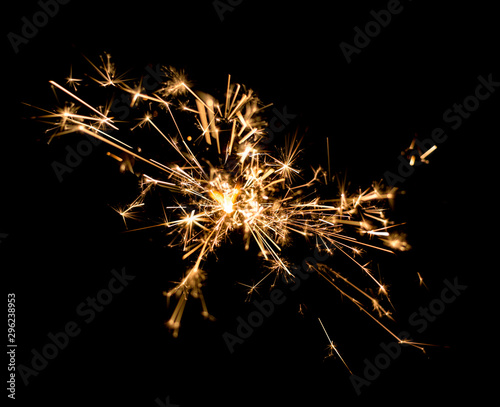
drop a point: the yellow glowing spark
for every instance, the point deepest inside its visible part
(84, 103)
(73, 82)
(429, 151)
(333, 347)
(421, 280)
(226, 200)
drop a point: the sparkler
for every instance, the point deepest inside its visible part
(223, 180)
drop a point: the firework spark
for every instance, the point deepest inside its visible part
(222, 180)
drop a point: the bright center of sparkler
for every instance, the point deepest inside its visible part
(227, 204)
(226, 199)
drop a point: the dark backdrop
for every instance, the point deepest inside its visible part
(60, 240)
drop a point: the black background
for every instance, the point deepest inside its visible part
(63, 238)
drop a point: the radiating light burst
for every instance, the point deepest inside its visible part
(224, 179)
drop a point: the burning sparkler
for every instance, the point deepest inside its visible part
(223, 180)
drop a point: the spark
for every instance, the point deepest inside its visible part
(414, 150)
(333, 347)
(429, 151)
(223, 181)
(421, 280)
(72, 82)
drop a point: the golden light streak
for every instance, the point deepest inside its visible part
(429, 151)
(333, 347)
(108, 121)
